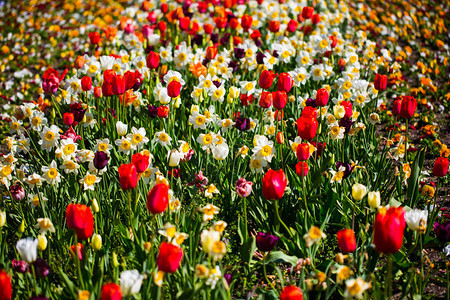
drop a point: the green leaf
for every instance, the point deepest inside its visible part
(247, 250)
(413, 180)
(280, 257)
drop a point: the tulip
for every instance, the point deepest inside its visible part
(243, 187)
(79, 218)
(291, 292)
(442, 231)
(285, 82)
(152, 60)
(77, 250)
(5, 283)
(41, 268)
(322, 97)
(246, 22)
(18, 193)
(380, 82)
(68, 118)
(107, 86)
(101, 160)
(111, 291)
(162, 26)
(94, 38)
(169, 257)
(128, 176)
(274, 26)
(301, 168)
(416, 220)
(307, 128)
(274, 183)
(86, 83)
(397, 107)
(173, 89)
(315, 19)
(303, 152)
(292, 26)
(96, 242)
(2, 218)
(184, 23)
(279, 99)
(97, 92)
(388, 230)
(27, 249)
(358, 191)
(121, 128)
(130, 282)
(280, 137)
(309, 112)
(348, 109)
(266, 242)
(211, 52)
(163, 111)
(266, 99)
(266, 79)
(346, 240)
(307, 12)
(374, 199)
(19, 266)
(118, 85)
(147, 30)
(132, 80)
(408, 108)
(158, 198)
(140, 161)
(42, 242)
(440, 167)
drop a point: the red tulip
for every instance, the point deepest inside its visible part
(79, 251)
(97, 92)
(163, 111)
(234, 23)
(246, 22)
(131, 78)
(307, 12)
(118, 85)
(266, 79)
(184, 23)
(397, 107)
(173, 89)
(152, 60)
(140, 161)
(94, 38)
(303, 152)
(6, 287)
(301, 168)
(307, 128)
(315, 19)
(68, 118)
(208, 28)
(440, 167)
(221, 22)
(292, 26)
(158, 198)
(280, 137)
(285, 82)
(380, 82)
(266, 99)
(408, 108)
(169, 257)
(79, 218)
(279, 99)
(309, 112)
(128, 176)
(86, 83)
(346, 240)
(322, 97)
(274, 26)
(111, 291)
(274, 183)
(388, 230)
(291, 292)
(348, 109)
(211, 52)
(162, 26)
(107, 86)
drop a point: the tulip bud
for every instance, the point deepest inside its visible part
(358, 191)
(121, 128)
(2, 218)
(147, 246)
(95, 206)
(243, 187)
(153, 60)
(303, 152)
(388, 227)
(346, 240)
(158, 198)
(291, 292)
(274, 26)
(301, 168)
(322, 97)
(274, 183)
(101, 160)
(42, 242)
(380, 82)
(408, 107)
(440, 167)
(96, 242)
(115, 262)
(285, 82)
(279, 99)
(98, 92)
(173, 89)
(280, 137)
(374, 199)
(22, 227)
(266, 99)
(68, 118)
(17, 192)
(266, 241)
(128, 176)
(86, 83)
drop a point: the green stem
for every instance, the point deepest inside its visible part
(77, 262)
(388, 289)
(406, 142)
(265, 275)
(281, 221)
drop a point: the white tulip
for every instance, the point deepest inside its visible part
(121, 128)
(417, 219)
(27, 249)
(130, 282)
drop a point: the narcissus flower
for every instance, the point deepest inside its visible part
(273, 184)
(356, 288)
(314, 235)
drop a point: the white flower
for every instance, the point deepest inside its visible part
(446, 250)
(211, 243)
(44, 225)
(49, 137)
(130, 282)
(2, 218)
(210, 191)
(374, 118)
(355, 288)
(174, 157)
(162, 138)
(209, 210)
(220, 152)
(417, 219)
(337, 132)
(27, 249)
(137, 137)
(51, 174)
(89, 180)
(214, 276)
(103, 145)
(121, 128)
(125, 145)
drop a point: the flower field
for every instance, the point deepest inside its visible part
(233, 149)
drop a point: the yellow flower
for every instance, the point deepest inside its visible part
(358, 191)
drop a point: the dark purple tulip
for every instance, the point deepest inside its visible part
(311, 102)
(346, 123)
(442, 231)
(242, 123)
(348, 168)
(214, 37)
(41, 267)
(19, 266)
(152, 111)
(17, 192)
(38, 298)
(225, 40)
(232, 64)
(258, 43)
(197, 39)
(101, 160)
(79, 114)
(228, 277)
(217, 83)
(260, 58)
(275, 54)
(266, 241)
(239, 53)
